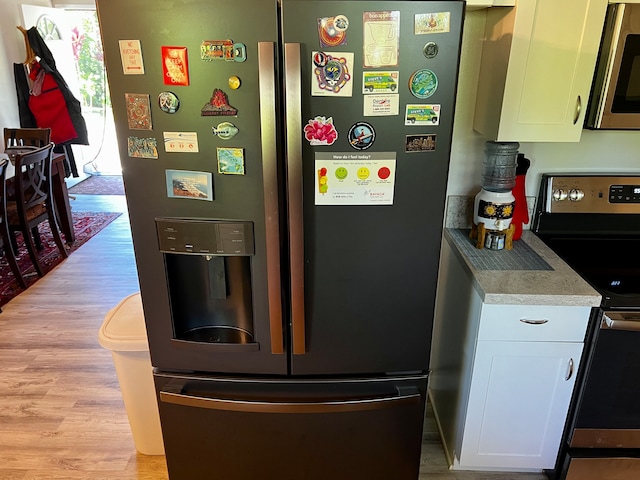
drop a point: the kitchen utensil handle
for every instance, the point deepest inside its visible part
(570, 372)
(529, 321)
(293, 110)
(267, 89)
(253, 406)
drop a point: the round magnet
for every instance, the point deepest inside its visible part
(234, 82)
(168, 102)
(430, 50)
(341, 23)
(361, 136)
(423, 83)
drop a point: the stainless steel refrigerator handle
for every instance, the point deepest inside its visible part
(293, 106)
(629, 325)
(286, 407)
(268, 124)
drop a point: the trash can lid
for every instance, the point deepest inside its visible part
(123, 328)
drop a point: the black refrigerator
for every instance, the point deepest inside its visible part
(285, 167)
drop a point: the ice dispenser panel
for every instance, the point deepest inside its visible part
(208, 268)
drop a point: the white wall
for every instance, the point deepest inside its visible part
(598, 150)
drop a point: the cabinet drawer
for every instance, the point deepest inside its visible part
(533, 323)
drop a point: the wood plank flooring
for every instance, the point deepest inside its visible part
(61, 411)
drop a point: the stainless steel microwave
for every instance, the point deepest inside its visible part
(615, 94)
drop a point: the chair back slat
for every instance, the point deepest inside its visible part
(32, 137)
(33, 187)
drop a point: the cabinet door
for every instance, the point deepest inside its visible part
(550, 48)
(520, 393)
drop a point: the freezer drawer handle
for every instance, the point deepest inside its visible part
(287, 407)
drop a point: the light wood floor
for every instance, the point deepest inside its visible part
(61, 411)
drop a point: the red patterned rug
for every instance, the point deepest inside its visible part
(85, 224)
(99, 185)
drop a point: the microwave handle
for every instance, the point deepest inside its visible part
(578, 109)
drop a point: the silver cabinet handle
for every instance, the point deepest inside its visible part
(570, 372)
(578, 110)
(529, 321)
(287, 407)
(293, 106)
(267, 89)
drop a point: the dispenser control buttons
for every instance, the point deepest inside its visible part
(205, 237)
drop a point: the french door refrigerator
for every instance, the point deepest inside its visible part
(285, 166)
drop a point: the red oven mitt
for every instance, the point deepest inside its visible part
(520, 210)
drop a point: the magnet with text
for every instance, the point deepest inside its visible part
(361, 136)
(331, 71)
(425, 23)
(175, 66)
(230, 161)
(423, 83)
(182, 142)
(320, 131)
(332, 31)
(380, 82)
(225, 130)
(218, 105)
(422, 115)
(420, 143)
(131, 56)
(223, 50)
(430, 50)
(168, 102)
(381, 40)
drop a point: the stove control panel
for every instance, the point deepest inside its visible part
(592, 194)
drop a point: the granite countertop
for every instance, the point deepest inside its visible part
(530, 274)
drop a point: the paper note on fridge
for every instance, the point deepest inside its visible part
(348, 178)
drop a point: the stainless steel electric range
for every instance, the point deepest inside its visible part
(593, 223)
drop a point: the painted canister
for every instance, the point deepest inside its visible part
(493, 209)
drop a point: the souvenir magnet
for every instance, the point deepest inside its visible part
(234, 82)
(239, 52)
(361, 136)
(320, 131)
(225, 130)
(420, 143)
(142, 147)
(230, 161)
(223, 50)
(430, 50)
(332, 31)
(131, 56)
(332, 73)
(168, 102)
(138, 111)
(189, 184)
(380, 82)
(432, 23)
(218, 105)
(422, 115)
(381, 41)
(182, 142)
(175, 67)
(423, 83)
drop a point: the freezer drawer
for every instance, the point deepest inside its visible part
(238, 429)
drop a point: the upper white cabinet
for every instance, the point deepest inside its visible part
(538, 61)
(478, 4)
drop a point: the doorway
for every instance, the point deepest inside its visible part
(73, 36)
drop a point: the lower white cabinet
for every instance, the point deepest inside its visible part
(502, 375)
(518, 403)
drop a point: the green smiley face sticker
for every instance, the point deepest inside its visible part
(341, 173)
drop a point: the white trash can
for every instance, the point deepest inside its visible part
(123, 332)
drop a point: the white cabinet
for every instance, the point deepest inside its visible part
(502, 376)
(538, 62)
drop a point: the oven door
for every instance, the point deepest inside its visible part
(608, 412)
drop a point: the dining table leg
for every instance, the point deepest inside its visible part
(61, 198)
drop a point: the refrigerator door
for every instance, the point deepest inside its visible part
(208, 256)
(237, 429)
(365, 216)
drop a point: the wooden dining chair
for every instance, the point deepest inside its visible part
(32, 202)
(30, 137)
(5, 237)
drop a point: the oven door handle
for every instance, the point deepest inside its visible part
(628, 325)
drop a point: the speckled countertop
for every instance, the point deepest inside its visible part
(556, 284)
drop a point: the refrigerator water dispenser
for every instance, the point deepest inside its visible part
(208, 268)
